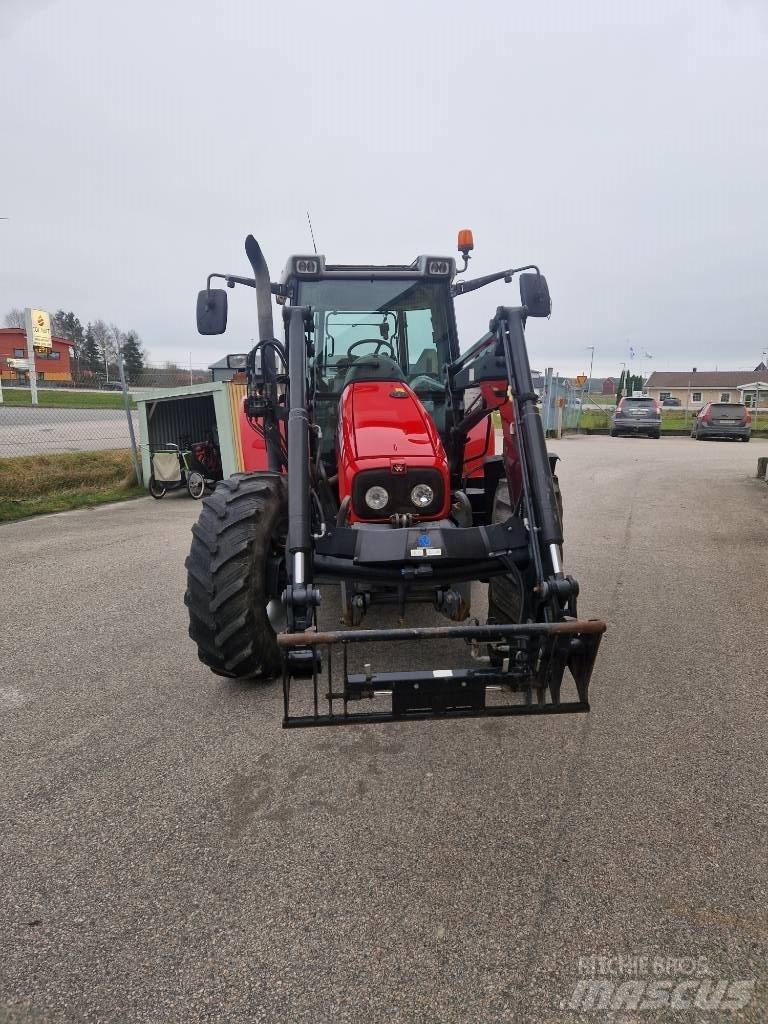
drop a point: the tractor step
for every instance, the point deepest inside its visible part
(532, 660)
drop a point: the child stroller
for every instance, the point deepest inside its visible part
(170, 470)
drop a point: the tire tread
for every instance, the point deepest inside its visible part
(225, 575)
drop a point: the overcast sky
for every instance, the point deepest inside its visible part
(620, 145)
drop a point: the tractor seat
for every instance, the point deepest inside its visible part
(371, 368)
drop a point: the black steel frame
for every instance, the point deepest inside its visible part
(447, 693)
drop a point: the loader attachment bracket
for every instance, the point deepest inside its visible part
(522, 674)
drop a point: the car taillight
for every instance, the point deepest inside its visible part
(658, 408)
(747, 417)
(704, 417)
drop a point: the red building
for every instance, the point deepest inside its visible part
(53, 365)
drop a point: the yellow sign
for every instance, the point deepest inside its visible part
(581, 380)
(41, 329)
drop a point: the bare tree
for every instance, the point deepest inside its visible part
(105, 343)
(15, 318)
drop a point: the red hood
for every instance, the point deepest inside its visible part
(386, 420)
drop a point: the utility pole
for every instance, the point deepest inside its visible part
(32, 371)
(190, 369)
(127, 407)
(590, 348)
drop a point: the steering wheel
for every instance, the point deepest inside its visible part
(377, 342)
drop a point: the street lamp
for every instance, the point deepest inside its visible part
(591, 348)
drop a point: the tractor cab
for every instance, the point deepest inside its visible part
(386, 323)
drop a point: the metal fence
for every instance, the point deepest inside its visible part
(560, 404)
(64, 419)
(150, 375)
(86, 413)
(41, 429)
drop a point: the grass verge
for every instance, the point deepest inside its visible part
(50, 398)
(32, 485)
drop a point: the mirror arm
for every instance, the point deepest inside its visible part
(249, 282)
(231, 280)
(480, 282)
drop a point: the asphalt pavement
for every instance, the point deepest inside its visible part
(171, 855)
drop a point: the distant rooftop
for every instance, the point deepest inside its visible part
(702, 378)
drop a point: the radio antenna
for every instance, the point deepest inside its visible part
(312, 232)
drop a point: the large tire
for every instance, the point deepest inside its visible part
(509, 596)
(241, 524)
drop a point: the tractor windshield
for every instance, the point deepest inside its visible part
(406, 321)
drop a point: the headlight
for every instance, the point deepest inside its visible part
(377, 498)
(306, 266)
(421, 495)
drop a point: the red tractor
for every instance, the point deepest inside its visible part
(372, 466)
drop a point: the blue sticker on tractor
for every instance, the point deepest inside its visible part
(423, 540)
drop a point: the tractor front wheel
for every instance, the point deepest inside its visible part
(510, 597)
(234, 578)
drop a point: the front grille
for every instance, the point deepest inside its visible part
(399, 487)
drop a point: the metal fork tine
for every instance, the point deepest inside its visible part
(286, 697)
(314, 679)
(345, 680)
(330, 681)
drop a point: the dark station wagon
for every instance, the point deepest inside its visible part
(637, 416)
(722, 419)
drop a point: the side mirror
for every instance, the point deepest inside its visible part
(237, 362)
(212, 311)
(534, 294)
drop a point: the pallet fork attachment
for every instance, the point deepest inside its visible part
(530, 665)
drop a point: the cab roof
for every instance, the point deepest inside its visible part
(313, 267)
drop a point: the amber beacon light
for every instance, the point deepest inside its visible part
(466, 242)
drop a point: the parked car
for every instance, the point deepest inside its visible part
(672, 401)
(637, 416)
(722, 419)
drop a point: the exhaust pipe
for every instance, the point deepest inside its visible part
(266, 333)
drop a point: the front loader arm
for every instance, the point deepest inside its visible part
(510, 336)
(300, 595)
(498, 362)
